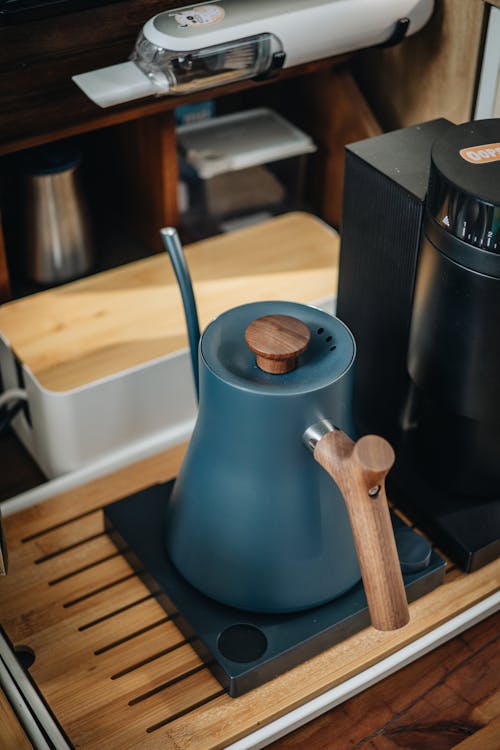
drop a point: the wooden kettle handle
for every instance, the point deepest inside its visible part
(359, 469)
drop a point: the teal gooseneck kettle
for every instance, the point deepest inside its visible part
(253, 521)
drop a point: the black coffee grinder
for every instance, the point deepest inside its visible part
(454, 345)
(444, 410)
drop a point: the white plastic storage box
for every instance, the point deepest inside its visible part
(240, 168)
(103, 360)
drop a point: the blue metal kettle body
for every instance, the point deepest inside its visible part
(253, 520)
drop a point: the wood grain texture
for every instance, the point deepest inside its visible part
(277, 341)
(39, 101)
(149, 169)
(431, 74)
(74, 334)
(117, 672)
(359, 469)
(4, 271)
(332, 109)
(12, 735)
(448, 699)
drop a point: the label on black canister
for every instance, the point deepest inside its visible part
(481, 154)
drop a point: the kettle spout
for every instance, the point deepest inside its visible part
(359, 469)
(173, 247)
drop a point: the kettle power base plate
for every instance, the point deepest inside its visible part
(242, 649)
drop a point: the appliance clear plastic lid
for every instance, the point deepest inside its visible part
(154, 70)
(184, 73)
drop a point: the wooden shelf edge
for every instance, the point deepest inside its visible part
(126, 113)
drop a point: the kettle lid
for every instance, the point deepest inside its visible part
(329, 354)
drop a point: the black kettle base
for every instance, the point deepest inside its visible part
(244, 649)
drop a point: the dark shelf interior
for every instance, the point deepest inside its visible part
(115, 203)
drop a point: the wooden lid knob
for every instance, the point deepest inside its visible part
(277, 341)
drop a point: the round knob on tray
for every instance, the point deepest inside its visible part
(277, 341)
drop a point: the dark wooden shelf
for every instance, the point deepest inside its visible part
(64, 111)
(40, 102)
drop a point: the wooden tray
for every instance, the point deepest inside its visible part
(115, 670)
(12, 735)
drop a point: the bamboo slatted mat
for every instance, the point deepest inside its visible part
(113, 667)
(12, 735)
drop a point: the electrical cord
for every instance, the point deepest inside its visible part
(11, 403)
(9, 411)
(12, 394)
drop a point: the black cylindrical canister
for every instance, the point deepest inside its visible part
(454, 348)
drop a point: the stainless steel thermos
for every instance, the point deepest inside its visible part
(58, 244)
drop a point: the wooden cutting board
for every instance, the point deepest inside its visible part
(98, 326)
(116, 672)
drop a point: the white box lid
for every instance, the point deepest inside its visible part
(241, 140)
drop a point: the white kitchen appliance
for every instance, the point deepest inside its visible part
(205, 45)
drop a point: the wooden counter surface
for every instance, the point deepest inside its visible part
(118, 674)
(447, 700)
